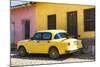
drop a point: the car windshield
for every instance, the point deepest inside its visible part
(62, 35)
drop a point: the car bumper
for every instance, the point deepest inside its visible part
(72, 51)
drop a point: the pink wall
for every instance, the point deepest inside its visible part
(19, 14)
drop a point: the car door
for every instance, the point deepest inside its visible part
(44, 43)
(33, 44)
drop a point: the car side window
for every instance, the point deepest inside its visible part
(46, 36)
(57, 36)
(38, 36)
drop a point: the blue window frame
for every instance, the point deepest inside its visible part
(57, 36)
(38, 36)
(42, 36)
(61, 35)
(46, 36)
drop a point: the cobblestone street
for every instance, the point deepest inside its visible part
(44, 59)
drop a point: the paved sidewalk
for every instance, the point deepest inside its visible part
(44, 59)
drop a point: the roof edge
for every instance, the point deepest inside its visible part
(22, 5)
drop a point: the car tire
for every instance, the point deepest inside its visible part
(22, 52)
(53, 53)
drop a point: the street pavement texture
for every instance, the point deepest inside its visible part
(35, 59)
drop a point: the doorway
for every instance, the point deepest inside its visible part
(72, 23)
(26, 29)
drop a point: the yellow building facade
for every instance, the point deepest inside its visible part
(61, 10)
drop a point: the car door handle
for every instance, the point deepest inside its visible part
(48, 41)
(38, 41)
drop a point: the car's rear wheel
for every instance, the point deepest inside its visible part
(22, 52)
(53, 53)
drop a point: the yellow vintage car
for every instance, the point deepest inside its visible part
(52, 42)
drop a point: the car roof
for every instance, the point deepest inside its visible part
(52, 31)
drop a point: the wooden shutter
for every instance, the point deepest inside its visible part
(52, 22)
(89, 19)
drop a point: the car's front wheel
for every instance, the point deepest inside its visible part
(53, 53)
(22, 52)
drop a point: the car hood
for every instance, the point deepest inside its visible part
(23, 41)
